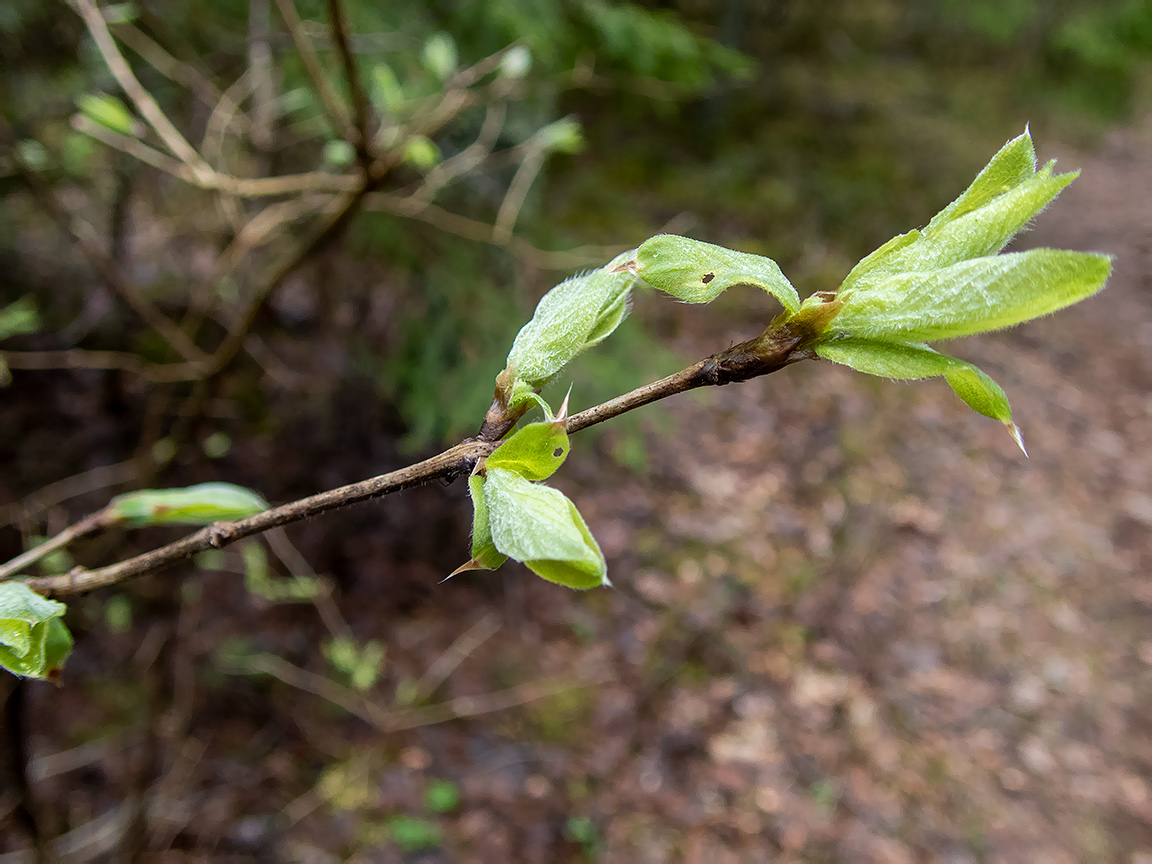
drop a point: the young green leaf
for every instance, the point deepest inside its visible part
(19, 318)
(972, 296)
(484, 553)
(57, 647)
(385, 91)
(540, 527)
(1012, 165)
(577, 313)
(979, 232)
(911, 360)
(440, 56)
(109, 112)
(201, 504)
(534, 451)
(698, 272)
(25, 619)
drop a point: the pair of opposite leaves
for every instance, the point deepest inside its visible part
(516, 516)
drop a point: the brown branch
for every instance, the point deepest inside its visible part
(451, 463)
(140, 97)
(484, 232)
(360, 107)
(334, 108)
(79, 358)
(163, 62)
(781, 344)
(384, 720)
(88, 525)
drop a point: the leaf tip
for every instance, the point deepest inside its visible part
(1014, 431)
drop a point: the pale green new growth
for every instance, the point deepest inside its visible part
(485, 555)
(25, 627)
(972, 296)
(698, 272)
(1004, 196)
(534, 452)
(1011, 166)
(947, 281)
(109, 112)
(539, 526)
(909, 361)
(575, 315)
(201, 504)
(19, 318)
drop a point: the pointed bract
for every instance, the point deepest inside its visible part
(1011, 166)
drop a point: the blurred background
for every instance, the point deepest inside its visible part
(850, 621)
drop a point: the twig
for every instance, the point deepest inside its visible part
(224, 112)
(777, 347)
(101, 477)
(260, 66)
(299, 567)
(334, 107)
(459, 651)
(468, 159)
(335, 216)
(360, 108)
(140, 97)
(79, 358)
(242, 187)
(90, 246)
(483, 232)
(88, 525)
(384, 720)
(514, 198)
(453, 462)
(163, 62)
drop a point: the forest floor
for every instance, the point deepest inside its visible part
(851, 623)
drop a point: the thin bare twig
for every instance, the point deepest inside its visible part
(384, 720)
(514, 198)
(163, 62)
(260, 67)
(101, 477)
(88, 525)
(360, 107)
(484, 232)
(89, 244)
(459, 651)
(140, 97)
(79, 358)
(453, 462)
(334, 108)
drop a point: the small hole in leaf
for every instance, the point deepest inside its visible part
(708, 277)
(558, 452)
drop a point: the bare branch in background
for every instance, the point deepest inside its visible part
(334, 108)
(140, 97)
(360, 108)
(260, 68)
